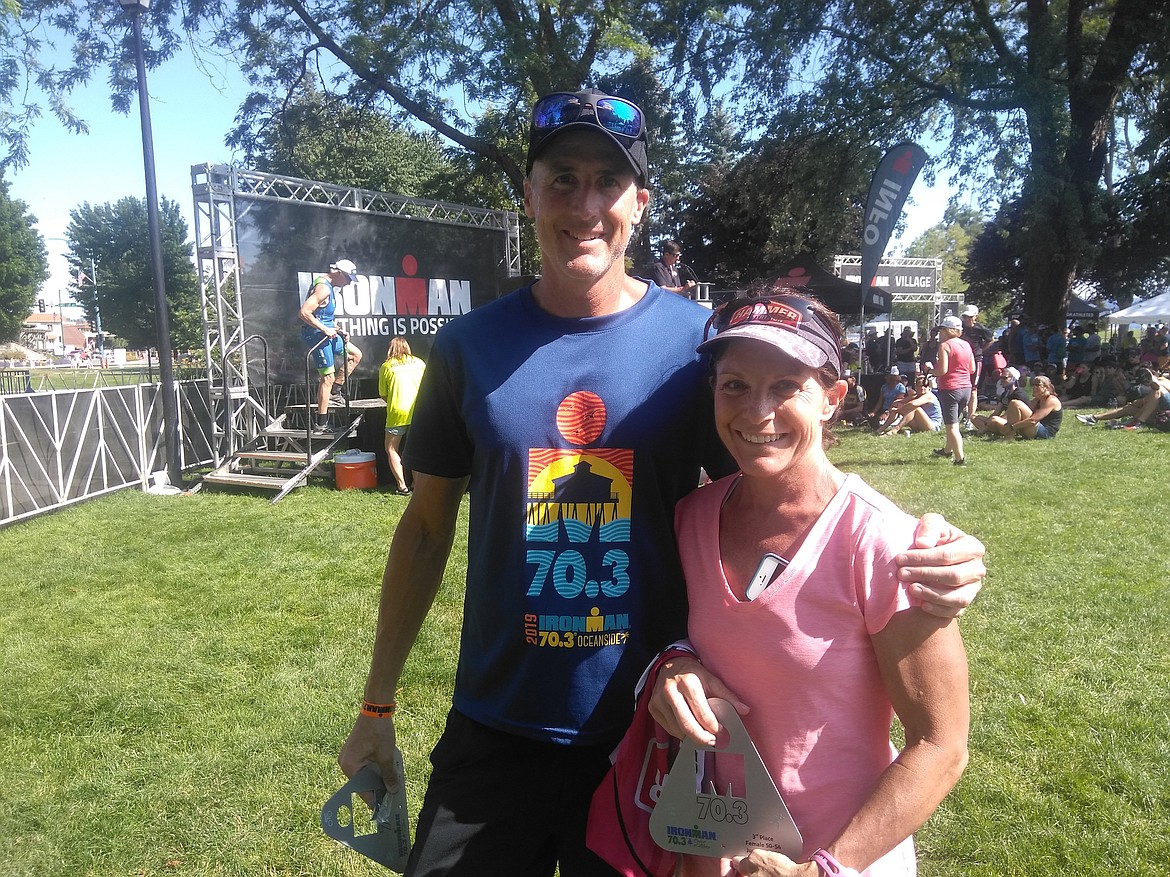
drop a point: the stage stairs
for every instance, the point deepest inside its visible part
(283, 456)
(277, 453)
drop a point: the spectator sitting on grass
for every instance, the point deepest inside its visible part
(917, 411)
(1141, 411)
(1011, 405)
(851, 356)
(1078, 384)
(1148, 348)
(1105, 385)
(853, 406)
(1130, 355)
(1044, 418)
(892, 391)
(996, 360)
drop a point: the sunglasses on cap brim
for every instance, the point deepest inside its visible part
(615, 115)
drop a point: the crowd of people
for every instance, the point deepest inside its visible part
(1033, 373)
(1149, 407)
(1076, 368)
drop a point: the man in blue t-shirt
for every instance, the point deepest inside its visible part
(575, 412)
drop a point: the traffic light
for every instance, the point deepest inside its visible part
(40, 305)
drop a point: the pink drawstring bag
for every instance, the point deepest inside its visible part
(619, 814)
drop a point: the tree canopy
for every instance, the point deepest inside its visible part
(1023, 102)
(951, 241)
(317, 136)
(111, 242)
(24, 264)
(1026, 97)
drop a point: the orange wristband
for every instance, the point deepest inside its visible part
(379, 710)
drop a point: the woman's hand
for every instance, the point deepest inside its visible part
(769, 864)
(679, 701)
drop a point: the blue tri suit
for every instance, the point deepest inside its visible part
(324, 357)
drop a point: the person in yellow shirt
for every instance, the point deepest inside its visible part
(398, 380)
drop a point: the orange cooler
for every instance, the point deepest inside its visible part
(355, 469)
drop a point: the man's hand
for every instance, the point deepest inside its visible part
(679, 701)
(945, 567)
(371, 740)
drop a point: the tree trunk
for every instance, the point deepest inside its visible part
(1069, 146)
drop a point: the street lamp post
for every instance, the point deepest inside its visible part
(61, 317)
(97, 312)
(135, 8)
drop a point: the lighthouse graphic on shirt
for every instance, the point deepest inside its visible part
(577, 533)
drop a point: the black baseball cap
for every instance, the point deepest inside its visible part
(620, 120)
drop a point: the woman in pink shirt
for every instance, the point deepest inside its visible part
(820, 657)
(956, 375)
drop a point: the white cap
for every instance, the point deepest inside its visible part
(969, 311)
(787, 323)
(950, 321)
(345, 266)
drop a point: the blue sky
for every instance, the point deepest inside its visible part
(191, 111)
(192, 107)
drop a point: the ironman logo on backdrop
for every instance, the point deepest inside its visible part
(577, 532)
(402, 304)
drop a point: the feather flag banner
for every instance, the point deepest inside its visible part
(887, 195)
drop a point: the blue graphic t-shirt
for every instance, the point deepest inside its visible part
(579, 436)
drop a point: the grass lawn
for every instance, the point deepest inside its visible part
(178, 673)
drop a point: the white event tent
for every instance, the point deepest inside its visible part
(1152, 310)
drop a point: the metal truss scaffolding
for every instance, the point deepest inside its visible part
(215, 189)
(933, 297)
